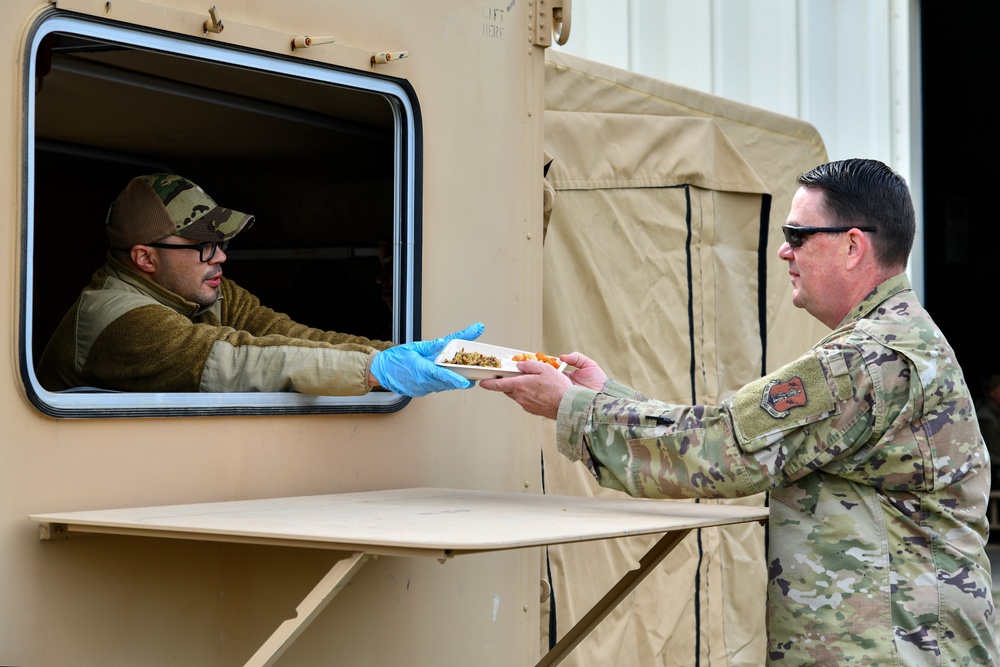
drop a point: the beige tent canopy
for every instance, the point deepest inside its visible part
(660, 262)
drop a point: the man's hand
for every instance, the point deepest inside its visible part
(409, 369)
(540, 390)
(587, 374)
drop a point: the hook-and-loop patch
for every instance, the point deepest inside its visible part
(793, 395)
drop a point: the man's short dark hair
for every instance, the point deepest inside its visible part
(867, 193)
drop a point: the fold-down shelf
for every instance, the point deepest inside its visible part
(436, 523)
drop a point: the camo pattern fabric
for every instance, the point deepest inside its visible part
(195, 214)
(878, 475)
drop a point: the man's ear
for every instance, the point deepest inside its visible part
(858, 247)
(142, 257)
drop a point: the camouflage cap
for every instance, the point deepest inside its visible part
(158, 205)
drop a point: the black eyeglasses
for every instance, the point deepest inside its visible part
(796, 236)
(206, 250)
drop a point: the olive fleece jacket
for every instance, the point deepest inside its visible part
(127, 333)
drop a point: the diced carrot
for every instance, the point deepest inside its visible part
(537, 356)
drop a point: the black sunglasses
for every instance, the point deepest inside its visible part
(796, 236)
(201, 248)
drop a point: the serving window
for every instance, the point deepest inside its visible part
(325, 159)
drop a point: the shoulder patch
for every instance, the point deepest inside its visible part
(792, 396)
(779, 397)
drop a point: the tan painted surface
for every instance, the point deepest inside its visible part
(429, 523)
(434, 523)
(127, 601)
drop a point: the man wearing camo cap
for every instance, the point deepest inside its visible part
(868, 444)
(160, 317)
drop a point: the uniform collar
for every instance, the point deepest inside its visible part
(140, 282)
(889, 288)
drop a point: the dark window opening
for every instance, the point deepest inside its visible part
(324, 159)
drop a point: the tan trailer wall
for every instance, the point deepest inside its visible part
(132, 601)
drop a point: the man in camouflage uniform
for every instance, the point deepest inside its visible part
(154, 319)
(868, 445)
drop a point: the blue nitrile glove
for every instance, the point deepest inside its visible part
(409, 369)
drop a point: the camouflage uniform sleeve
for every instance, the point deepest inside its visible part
(770, 432)
(573, 423)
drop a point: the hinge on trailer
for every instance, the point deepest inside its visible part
(547, 18)
(53, 531)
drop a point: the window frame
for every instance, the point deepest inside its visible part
(407, 147)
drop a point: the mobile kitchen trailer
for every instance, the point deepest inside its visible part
(343, 127)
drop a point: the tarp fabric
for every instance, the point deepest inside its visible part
(660, 262)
